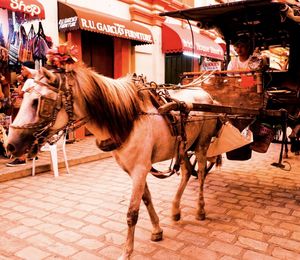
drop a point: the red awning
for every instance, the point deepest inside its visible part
(177, 39)
(73, 17)
(33, 8)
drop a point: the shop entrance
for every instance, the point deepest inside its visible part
(98, 52)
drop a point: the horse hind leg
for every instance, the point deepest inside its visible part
(208, 130)
(201, 159)
(157, 232)
(186, 170)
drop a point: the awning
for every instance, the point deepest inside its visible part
(33, 8)
(72, 17)
(177, 39)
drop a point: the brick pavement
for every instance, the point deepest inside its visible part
(78, 152)
(253, 212)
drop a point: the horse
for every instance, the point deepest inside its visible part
(121, 115)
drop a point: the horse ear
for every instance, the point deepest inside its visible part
(51, 77)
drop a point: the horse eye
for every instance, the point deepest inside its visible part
(35, 103)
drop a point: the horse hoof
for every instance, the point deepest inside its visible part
(157, 237)
(123, 257)
(201, 216)
(176, 217)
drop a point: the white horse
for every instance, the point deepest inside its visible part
(121, 116)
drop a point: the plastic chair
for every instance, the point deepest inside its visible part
(53, 149)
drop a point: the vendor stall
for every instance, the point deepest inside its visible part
(22, 39)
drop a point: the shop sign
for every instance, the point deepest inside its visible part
(115, 29)
(68, 23)
(200, 48)
(22, 6)
(211, 65)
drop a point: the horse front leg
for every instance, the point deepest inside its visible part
(157, 232)
(186, 170)
(201, 159)
(138, 186)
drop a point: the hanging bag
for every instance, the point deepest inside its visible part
(41, 44)
(263, 136)
(30, 39)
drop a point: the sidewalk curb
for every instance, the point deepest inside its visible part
(23, 172)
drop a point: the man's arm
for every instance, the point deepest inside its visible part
(290, 2)
(290, 14)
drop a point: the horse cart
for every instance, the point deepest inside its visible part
(267, 96)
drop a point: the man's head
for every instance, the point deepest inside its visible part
(27, 69)
(243, 47)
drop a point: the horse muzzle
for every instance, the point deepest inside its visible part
(13, 150)
(19, 144)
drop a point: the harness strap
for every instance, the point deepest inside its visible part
(162, 175)
(107, 145)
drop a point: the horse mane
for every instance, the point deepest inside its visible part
(111, 104)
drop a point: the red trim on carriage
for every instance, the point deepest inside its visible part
(72, 17)
(177, 39)
(33, 8)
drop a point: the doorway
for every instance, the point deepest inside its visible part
(98, 52)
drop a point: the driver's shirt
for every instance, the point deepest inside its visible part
(236, 64)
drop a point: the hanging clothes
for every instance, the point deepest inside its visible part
(23, 44)
(14, 47)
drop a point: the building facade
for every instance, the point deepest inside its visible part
(118, 37)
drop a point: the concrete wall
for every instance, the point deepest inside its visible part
(112, 7)
(149, 59)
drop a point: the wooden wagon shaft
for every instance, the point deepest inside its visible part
(195, 73)
(220, 109)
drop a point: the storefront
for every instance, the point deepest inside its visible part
(106, 41)
(18, 35)
(22, 41)
(187, 50)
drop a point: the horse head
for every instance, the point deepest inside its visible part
(43, 113)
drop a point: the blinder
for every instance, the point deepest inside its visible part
(47, 106)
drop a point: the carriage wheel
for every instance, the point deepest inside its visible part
(194, 165)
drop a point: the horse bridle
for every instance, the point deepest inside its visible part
(48, 109)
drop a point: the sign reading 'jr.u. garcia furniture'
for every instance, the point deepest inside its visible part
(72, 18)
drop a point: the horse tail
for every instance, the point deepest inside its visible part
(219, 160)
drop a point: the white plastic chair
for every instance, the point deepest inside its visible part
(53, 149)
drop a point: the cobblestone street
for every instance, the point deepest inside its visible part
(253, 212)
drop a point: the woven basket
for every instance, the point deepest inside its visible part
(262, 137)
